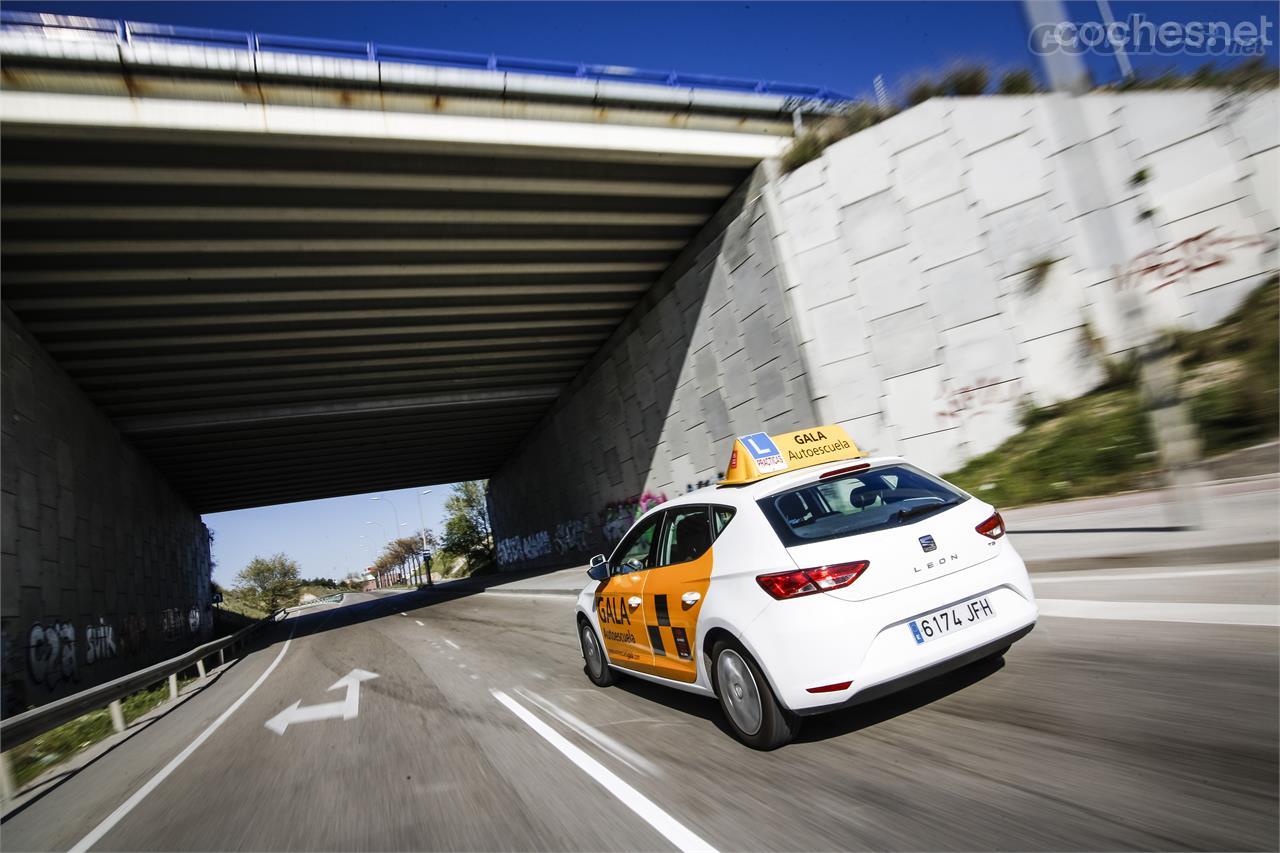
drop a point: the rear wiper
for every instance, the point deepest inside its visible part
(923, 509)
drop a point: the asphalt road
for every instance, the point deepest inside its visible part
(1153, 728)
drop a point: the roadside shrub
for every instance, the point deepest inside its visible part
(965, 80)
(1019, 82)
(805, 148)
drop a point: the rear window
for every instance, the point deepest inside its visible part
(857, 503)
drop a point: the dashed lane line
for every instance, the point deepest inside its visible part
(419, 623)
(649, 811)
(454, 645)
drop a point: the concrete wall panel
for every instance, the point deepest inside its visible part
(104, 566)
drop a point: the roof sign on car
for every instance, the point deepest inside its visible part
(758, 455)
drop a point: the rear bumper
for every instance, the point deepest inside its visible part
(877, 691)
(822, 640)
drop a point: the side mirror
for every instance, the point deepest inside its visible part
(599, 569)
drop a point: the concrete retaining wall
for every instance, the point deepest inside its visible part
(710, 353)
(953, 260)
(915, 284)
(105, 568)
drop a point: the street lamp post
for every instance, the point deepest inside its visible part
(422, 520)
(384, 536)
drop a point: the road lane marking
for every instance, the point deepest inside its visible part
(475, 677)
(670, 828)
(623, 753)
(418, 622)
(454, 645)
(154, 782)
(404, 614)
(1081, 577)
(1162, 611)
(346, 709)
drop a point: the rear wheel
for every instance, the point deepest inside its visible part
(596, 668)
(753, 712)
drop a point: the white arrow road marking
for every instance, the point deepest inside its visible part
(347, 709)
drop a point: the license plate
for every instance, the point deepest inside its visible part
(955, 618)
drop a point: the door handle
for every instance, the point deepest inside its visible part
(690, 598)
(635, 601)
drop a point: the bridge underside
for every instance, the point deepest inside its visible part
(274, 318)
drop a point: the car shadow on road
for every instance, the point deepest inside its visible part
(859, 717)
(836, 723)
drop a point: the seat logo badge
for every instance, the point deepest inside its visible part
(927, 543)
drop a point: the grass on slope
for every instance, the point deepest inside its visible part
(56, 745)
(1102, 443)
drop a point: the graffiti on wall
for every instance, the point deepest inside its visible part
(514, 549)
(570, 536)
(51, 654)
(133, 634)
(1176, 262)
(171, 623)
(99, 642)
(573, 536)
(957, 405)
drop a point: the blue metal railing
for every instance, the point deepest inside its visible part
(130, 31)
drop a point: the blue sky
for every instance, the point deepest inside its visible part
(323, 536)
(838, 45)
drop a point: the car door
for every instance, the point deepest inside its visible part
(619, 601)
(675, 589)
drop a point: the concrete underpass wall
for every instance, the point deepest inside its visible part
(710, 353)
(953, 261)
(105, 568)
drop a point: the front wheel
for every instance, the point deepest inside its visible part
(596, 667)
(753, 712)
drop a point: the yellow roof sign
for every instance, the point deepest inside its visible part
(758, 455)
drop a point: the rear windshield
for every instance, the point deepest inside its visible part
(857, 502)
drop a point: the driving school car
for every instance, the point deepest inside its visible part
(811, 578)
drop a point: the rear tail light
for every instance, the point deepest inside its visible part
(808, 581)
(992, 528)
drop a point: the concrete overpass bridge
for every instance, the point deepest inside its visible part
(242, 270)
(308, 268)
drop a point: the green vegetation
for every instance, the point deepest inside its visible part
(467, 544)
(973, 79)
(1102, 442)
(57, 745)
(269, 583)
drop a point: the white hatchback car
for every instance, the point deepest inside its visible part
(799, 587)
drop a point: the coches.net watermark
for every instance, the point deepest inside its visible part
(1138, 36)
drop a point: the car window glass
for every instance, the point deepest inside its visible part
(687, 535)
(842, 506)
(723, 515)
(638, 545)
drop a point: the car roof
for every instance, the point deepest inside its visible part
(738, 496)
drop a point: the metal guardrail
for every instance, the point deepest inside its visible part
(125, 32)
(21, 728)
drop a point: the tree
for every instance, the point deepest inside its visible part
(466, 525)
(272, 580)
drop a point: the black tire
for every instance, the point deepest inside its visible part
(736, 677)
(596, 666)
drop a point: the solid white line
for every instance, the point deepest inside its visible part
(419, 623)
(674, 831)
(1081, 577)
(154, 782)
(455, 645)
(1162, 611)
(619, 751)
